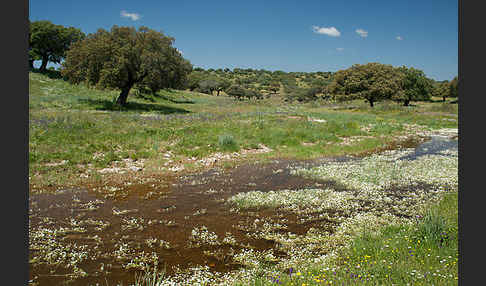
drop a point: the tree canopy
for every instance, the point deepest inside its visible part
(236, 91)
(123, 57)
(239, 92)
(273, 86)
(49, 42)
(301, 94)
(372, 82)
(208, 85)
(415, 86)
(440, 89)
(222, 84)
(193, 79)
(446, 88)
(453, 87)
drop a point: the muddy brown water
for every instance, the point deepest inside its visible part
(204, 191)
(170, 217)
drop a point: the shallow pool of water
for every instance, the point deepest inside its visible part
(81, 237)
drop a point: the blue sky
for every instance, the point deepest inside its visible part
(283, 35)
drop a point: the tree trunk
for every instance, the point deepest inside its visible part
(31, 64)
(371, 103)
(443, 98)
(43, 66)
(218, 93)
(122, 99)
(406, 102)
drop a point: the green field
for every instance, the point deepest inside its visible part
(79, 137)
(74, 130)
(424, 252)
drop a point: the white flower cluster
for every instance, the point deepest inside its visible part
(254, 259)
(197, 276)
(383, 190)
(132, 224)
(229, 239)
(46, 247)
(293, 200)
(202, 236)
(122, 251)
(381, 171)
(90, 206)
(142, 261)
(98, 224)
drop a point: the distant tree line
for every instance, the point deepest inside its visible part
(124, 58)
(252, 83)
(446, 89)
(374, 82)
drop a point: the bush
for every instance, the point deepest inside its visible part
(433, 228)
(301, 94)
(253, 94)
(240, 92)
(227, 143)
(236, 91)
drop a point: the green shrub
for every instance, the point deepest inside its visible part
(227, 143)
(433, 229)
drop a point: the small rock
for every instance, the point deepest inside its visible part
(135, 168)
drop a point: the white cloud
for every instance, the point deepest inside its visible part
(133, 16)
(332, 31)
(362, 33)
(339, 49)
(399, 38)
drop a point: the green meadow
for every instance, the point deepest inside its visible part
(78, 136)
(74, 128)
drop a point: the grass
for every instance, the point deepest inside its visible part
(400, 240)
(420, 253)
(82, 127)
(444, 107)
(149, 278)
(423, 251)
(75, 131)
(227, 143)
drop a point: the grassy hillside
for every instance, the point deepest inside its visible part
(75, 130)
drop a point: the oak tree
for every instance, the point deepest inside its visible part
(49, 42)
(415, 86)
(123, 57)
(453, 87)
(372, 82)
